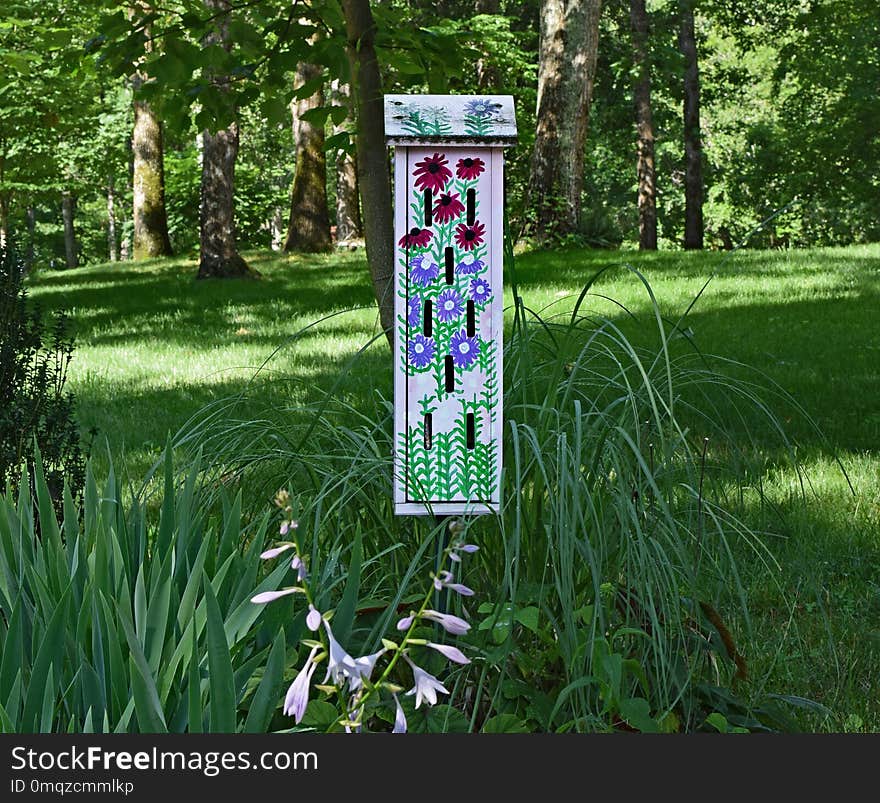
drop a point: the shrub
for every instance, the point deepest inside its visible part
(34, 406)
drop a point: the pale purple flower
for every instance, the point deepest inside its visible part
(298, 694)
(399, 717)
(275, 551)
(365, 665)
(451, 624)
(426, 685)
(299, 567)
(313, 618)
(341, 666)
(468, 548)
(405, 623)
(442, 581)
(270, 596)
(450, 652)
(287, 526)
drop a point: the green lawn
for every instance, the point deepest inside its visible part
(154, 346)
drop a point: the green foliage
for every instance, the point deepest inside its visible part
(36, 410)
(117, 619)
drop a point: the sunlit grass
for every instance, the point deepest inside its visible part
(155, 346)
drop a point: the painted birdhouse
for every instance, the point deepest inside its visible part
(449, 227)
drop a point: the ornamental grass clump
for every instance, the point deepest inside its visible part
(349, 681)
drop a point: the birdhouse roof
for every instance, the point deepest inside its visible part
(487, 120)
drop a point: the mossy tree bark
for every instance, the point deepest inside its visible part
(647, 192)
(374, 176)
(566, 68)
(150, 219)
(218, 256)
(308, 227)
(348, 212)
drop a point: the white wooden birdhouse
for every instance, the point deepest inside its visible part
(449, 228)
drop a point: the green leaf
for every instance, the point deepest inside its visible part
(221, 682)
(150, 717)
(344, 616)
(528, 618)
(50, 652)
(505, 723)
(636, 711)
(320, 715)
(194, 689)
(267, 695)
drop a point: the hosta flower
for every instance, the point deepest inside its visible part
(480, 107)
(341, 666)
(365, 665)
(450, 652)
(415, 238)
(299, 567)
(297, 697)
(313, 618)
(426, 685)
(469, 237)
(275, 551)
(420, 351)
(399, 717)
(271, 596)
(451, 624)
(405, 623)
(480, 291)
(422, 271)
(450, 305)
(447, 207)
(414, 312)
(465, 350)
(287, 526)
(444, 580)
(453, 553)
(432, 173)
(469, 268)
(469, 168)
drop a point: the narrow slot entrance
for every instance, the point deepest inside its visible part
(469, 430)
(450, 374)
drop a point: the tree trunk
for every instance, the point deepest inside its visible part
(150, 221)
(308, 228)
(219, 257)
(4, 221)
(647, 193)
(693, 149)
(374, 177)
(348, 211)
(31, 218)
(68, 209)
(487, 75)
(566, 68)
(112, 251)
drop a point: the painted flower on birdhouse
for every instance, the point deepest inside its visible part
(448, 207)
(469, 237)
(450, 305)
(413, 312)
(480, 291)
(415, 238)
(469, 169)
(465, 350)
(480, 107)
(422, 271)
(420, 351)
(432, 173)
(469, 268)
